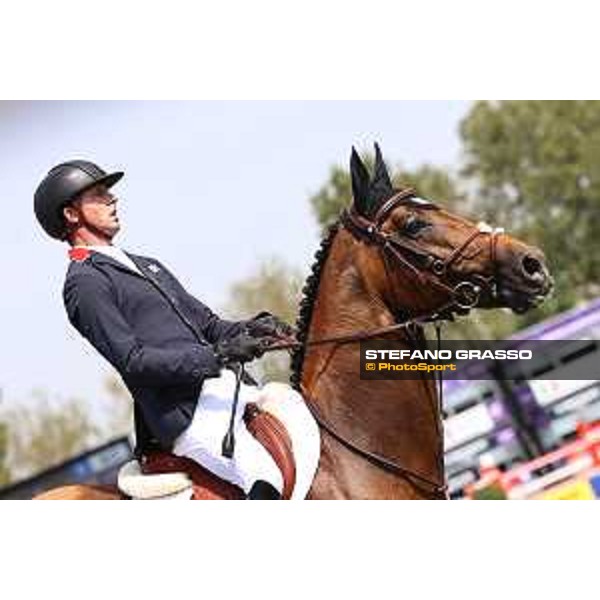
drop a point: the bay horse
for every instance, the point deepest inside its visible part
(390, 264)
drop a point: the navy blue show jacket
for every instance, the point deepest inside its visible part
(154, 333)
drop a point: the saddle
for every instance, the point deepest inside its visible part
(167, 476)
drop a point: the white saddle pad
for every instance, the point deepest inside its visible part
(164, 486)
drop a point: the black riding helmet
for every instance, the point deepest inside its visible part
(62, 185)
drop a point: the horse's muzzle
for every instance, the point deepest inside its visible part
(524, 279)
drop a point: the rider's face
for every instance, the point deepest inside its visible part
(96, 209)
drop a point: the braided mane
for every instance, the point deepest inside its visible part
(309, 295)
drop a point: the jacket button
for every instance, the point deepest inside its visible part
(196, 372)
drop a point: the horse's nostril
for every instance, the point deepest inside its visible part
(532, 267)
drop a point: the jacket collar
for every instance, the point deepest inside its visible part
(99, 258)
(147, 267)
(82, 254)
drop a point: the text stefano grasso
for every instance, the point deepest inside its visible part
(498, 354)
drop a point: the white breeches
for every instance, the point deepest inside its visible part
(203, 438)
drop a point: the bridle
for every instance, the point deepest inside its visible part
(464, 294)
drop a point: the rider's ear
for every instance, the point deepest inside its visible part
(70, 215)
(360, 182)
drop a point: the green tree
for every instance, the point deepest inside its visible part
(276, 287)
(534, 166)
(47, 431)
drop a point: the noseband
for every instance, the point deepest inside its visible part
(463, 293)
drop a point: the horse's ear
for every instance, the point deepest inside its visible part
(360, 182)
(381, 179)
(381, 187)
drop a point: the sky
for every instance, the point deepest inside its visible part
(211, 189)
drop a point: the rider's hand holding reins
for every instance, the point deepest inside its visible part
(241, 348)
(256, 337)
(267, 325)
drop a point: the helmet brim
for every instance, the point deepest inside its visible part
(107, 180)
(110, 179)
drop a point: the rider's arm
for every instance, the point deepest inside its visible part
(214, 328)
(92, 310)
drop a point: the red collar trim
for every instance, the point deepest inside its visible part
(79, 254)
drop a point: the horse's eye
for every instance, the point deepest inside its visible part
(413, 226)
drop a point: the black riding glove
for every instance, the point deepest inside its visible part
(242, 348)
(267, 325)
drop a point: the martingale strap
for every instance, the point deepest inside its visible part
(417, 479)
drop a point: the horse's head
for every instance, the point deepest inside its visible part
(431, 260)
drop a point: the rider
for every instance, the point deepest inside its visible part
(164, 343)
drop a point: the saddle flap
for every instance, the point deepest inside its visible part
(272, 434)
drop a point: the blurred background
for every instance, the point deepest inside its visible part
(233, 197)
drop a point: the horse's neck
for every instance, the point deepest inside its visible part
(398, 419)
(344, 304)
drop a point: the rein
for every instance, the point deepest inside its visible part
(464, 296)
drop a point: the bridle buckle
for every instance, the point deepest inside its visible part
(466, 294)
(438, 267)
